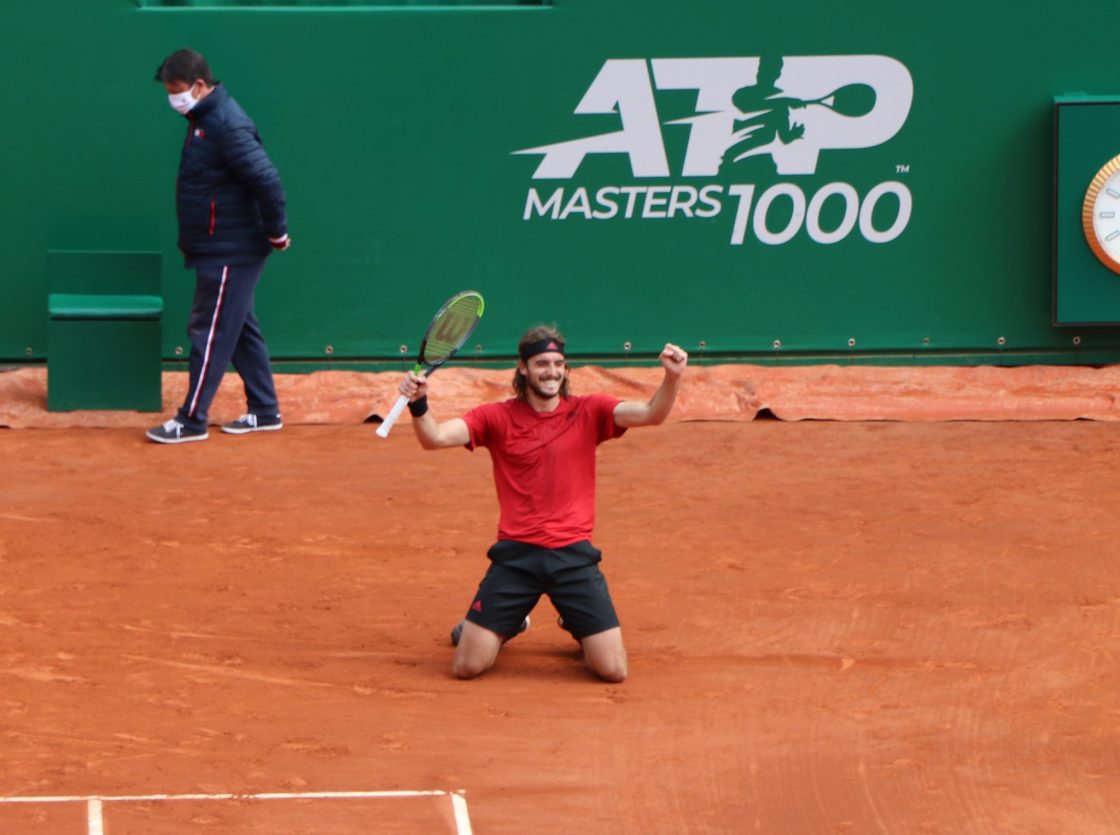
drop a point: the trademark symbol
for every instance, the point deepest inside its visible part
(902, 169)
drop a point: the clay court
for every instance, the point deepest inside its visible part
(834, 626)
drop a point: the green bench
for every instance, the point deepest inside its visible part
(104, 314)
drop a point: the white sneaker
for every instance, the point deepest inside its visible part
(173, 432)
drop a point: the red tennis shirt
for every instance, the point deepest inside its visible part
(544, 465)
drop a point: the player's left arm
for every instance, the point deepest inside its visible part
(630, 413)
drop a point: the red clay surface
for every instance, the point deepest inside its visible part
(833, 628)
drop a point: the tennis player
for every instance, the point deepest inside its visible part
(542, 443)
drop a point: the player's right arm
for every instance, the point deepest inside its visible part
(431, 433)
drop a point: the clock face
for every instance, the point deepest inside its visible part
(1100, 215)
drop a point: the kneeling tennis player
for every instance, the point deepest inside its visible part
(542, 443)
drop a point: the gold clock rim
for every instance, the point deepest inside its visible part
(1087, 206)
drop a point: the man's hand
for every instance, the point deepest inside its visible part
(280, 244)
(673, 359)
(414, 386)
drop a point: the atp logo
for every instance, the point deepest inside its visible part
(791, 109)
(787, 110)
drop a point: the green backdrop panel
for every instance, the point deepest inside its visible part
(821, 180)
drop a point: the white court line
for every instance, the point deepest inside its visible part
(136, 798)
(462, 819)
(95, 803)
(94, 818)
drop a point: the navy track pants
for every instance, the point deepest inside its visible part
(223, 329)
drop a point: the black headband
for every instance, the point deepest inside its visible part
(541, 346)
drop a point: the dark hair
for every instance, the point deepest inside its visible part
(184, 65)
(536, 334)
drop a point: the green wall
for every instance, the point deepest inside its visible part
(394, 130)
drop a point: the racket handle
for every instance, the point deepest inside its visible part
(391, 418)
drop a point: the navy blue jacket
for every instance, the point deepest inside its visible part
(229, 197)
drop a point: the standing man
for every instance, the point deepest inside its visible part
(230, 204)
(542, 443)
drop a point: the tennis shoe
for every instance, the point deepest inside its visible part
(253, 423)
(173, 432)
(457, 632)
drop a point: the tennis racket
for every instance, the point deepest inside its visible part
(448, 330)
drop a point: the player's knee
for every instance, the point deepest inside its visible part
(609, 666)
(605, 653)
(613, 670)
(477, 651)
(466, 670)
(471, 664)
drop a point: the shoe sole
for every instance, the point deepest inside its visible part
(183, 440)
(246, 431)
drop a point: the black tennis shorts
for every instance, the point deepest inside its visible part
(520, 573)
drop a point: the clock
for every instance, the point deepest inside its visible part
(1100, 214)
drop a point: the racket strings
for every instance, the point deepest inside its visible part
(451, 328)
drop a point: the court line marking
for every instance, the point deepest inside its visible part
(95, 803)
(462, 819)
(95, 820)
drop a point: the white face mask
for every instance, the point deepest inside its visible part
(183, 102)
